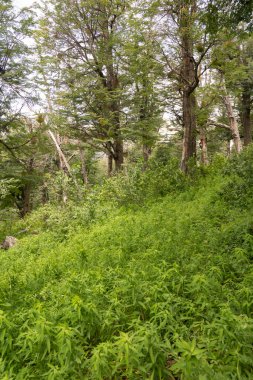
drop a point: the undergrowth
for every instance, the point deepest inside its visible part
(150, 279)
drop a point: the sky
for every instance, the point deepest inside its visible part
(22, 3)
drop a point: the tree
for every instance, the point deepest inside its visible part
(189, 40)
(15, 27)
(23, 153)
(14, 62)
(85, 38)
(246, 54)
(144, 75)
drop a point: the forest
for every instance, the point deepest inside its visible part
(126, 189)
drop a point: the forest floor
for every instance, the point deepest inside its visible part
(156, 290)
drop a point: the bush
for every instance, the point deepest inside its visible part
(136, 186)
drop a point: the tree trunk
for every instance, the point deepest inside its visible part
(118, 147)
(83, 167)
(189, 126)
(233, 123)
(146, 154)
(118, 154)
(203, 145)
(26, 200)
(109, 164)
(63, 161)
(112, 85)
(232, 119)
(245, 115)
(24, 204)
(228, 148)
(189, 83)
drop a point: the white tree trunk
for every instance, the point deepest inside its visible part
(60, 152)
(232, 119)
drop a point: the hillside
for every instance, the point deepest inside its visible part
(154, 282)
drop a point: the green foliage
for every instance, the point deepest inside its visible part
(239, 190)
(161, 292)
(14, 62)
(137, 186)
(23, 161)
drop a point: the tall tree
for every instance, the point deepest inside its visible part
(85, 38)
(246, 98)
(189, 79)
(188, 41)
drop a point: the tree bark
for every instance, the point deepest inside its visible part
(118, 147)
(64, 165)
(24, 204)
(109, 164)
(229, 148)
(189, 82)
(189, 127)
(26, 200)
(233, 122)
(203, 145)
(118, 153)
(84, 170)
(245, 115)
(63, 160)
(112, 85)
(146, 150)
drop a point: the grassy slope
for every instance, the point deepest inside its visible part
(157, 292)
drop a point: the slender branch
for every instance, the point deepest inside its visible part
(219, 125)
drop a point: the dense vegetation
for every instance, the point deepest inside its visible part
(152, 283)
(87, 87)
(126, 189)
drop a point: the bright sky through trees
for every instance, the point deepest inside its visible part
(22, 3)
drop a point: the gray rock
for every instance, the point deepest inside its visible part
(8, 242)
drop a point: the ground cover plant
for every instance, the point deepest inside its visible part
(129, 289)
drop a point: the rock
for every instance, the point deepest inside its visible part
(8, 242)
